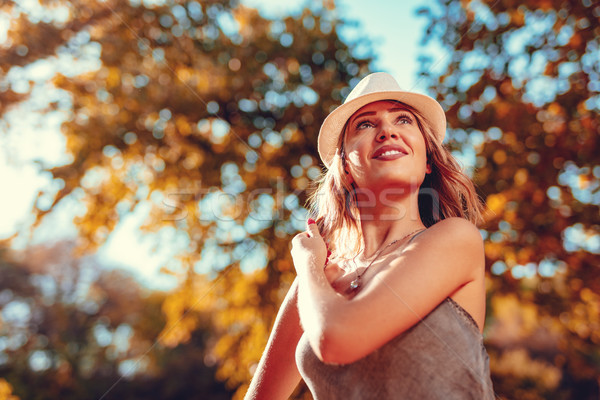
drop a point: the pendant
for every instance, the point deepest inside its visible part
(355, 284)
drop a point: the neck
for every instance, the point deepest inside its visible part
(386, 217)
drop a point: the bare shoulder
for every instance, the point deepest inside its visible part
(457, 225)
(456, 241)
(457, 233)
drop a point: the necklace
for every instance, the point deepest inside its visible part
(355, 284)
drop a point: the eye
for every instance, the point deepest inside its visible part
(404, 119)
(364, 124)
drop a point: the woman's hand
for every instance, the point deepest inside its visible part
(309, 248)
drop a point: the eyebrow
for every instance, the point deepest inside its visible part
(369, 113)
(363, 115)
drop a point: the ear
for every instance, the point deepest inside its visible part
(428, 168)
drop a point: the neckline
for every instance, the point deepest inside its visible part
(400, 248)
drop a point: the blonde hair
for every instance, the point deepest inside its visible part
(445, 192)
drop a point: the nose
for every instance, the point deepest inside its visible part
(386, 131)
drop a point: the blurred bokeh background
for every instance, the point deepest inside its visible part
(156, 156)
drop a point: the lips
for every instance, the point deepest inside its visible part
(389, 152)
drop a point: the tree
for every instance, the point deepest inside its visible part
(521, 89)
(73, 330)
(210, 113)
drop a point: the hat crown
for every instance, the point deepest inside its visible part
(374, 83)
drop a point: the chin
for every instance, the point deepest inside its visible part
(396, 180)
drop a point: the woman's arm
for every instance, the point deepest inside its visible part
(443, 259)
(277, 375)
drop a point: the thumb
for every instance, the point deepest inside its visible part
(312, 228)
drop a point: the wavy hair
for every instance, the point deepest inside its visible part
(445, 192)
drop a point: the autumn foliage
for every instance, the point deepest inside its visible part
(208, 113)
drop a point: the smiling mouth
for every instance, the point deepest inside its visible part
(390, 155)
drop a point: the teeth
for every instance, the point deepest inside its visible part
(390, 152)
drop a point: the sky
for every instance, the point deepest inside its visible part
(393, 27)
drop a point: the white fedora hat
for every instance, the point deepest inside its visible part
(375, 87)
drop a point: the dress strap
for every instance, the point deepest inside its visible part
(415, 235)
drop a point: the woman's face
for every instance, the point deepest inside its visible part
(385, 147)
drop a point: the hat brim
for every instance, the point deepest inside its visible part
(333, 125)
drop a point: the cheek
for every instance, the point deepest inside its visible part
(420, 149)
(354, 151)
(419, 145)
(354, 159)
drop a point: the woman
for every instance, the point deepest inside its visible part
(396, 309)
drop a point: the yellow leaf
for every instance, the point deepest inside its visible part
(6, 391)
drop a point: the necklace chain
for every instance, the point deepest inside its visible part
(355, 284)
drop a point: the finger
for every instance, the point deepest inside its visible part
(312, 228)
(309, 222)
